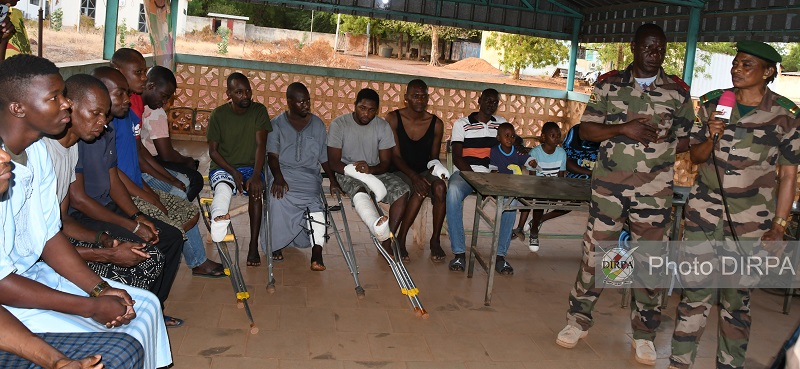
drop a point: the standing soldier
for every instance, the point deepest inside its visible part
(760, 137)
(641, 117)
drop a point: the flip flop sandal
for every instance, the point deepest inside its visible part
(503, 267)
(175, 322)
(277, 256)
(457, 264)
(217, 272)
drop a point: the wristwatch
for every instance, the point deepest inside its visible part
(99, 288)
(780, 221)
(136, 215)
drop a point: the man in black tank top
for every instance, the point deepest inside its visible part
(418, 134)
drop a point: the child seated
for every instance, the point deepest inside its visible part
(508, 159)
(549, 160)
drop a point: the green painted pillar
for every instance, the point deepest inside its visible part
(110, 34)
(173, 14)
(691, 44)
(573, 53)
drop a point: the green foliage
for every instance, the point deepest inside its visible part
(222, 46)
(57, 19)
(673, 61)
(123, 31)
(791, 62)
(519, 51)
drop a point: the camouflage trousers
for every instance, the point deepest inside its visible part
(692, 314)
(648, 218)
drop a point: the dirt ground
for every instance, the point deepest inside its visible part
(69, 45)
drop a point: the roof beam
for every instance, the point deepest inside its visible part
(417, 17)
(690, 3)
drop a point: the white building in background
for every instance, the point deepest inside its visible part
(131, 11)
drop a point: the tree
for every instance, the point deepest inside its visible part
(519, 51)
(791, 63)
(608, 54)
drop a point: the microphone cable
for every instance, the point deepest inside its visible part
(724, 198)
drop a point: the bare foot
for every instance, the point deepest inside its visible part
(223, 217)
(253, 258)
(316, 259)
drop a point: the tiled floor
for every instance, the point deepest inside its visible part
(314, 319)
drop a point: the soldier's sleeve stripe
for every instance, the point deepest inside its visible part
(606, 75)
(789, 105)
(681, 83)
(711, 95)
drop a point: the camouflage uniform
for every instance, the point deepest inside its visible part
(749, 150)
(631, 183)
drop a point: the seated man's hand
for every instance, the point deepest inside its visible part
(362, 166)
(106, 310)
(129, 314)
(7, 29)
(147, 231)
(178, 184)
(91, 362)
(279, 187)
(128, 254)
(238, 180)
(255, 187)
(420, 185)
(334, 185)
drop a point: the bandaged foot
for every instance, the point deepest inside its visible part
(378, 225)
(317, 227)
(375, 185)
(220, 219)
(439, 170)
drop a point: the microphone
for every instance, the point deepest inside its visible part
(726, 103)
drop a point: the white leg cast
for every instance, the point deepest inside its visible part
(366, 210)
(219, 207)
(317, 226)
(439, 170)
(375, 185)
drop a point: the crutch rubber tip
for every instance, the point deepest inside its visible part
(270, 288)
(417, 311)
(360, 293)
(253, 328)
(240, 304)
(424, 314)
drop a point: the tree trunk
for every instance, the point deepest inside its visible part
(400, 46)
(516, 73)
(620, 56)
(434, 47)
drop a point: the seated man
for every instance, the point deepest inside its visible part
(19, 347)
(361, 143)
(100, 201)
(154, 89)
(173, 210)
(237, 138)
(472, 138)
(411, 159)
(135, 264)
(44, 281)
(295, 150)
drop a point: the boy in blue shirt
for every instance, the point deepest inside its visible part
(507, 159)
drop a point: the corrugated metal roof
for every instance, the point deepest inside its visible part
(600, 21)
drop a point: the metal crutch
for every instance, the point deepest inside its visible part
(403, 278)
(231, 265)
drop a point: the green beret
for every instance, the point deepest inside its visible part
(759, 49)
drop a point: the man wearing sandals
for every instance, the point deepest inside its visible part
(295, 150)
(641, 117)
(472, 139)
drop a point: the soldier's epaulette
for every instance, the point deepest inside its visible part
(710, 96)
(606, 75)
(789, 105)
(681, 83)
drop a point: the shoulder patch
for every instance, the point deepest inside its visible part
(789, 105)
(606, 75)
(681, 83)
(593, 97)
(711, 96)
(697, 122)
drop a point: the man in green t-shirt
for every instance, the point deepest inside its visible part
(237, 138)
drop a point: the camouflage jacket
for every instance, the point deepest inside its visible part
(623, 165)
(747, 154)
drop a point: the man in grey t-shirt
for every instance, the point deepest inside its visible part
(365, 140)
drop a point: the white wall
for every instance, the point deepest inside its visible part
(265, 34)
(128, 10)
